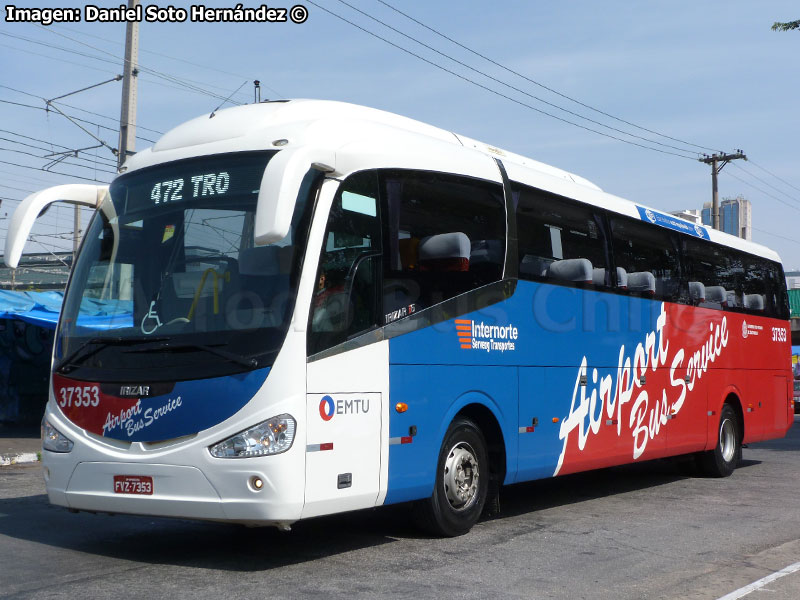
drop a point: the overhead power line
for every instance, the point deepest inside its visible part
(513, 87)
(63, 162)
(174, 58)
(187, 83)
(73, 176)
(539, 84)
(794, 187)
(758, 189)
(495, 92)
(31, 106)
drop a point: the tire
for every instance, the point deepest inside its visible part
(462, 482)
(723, 459)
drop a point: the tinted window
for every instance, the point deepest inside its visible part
(346, 302)
(445, 235)
(560, 240)
(649, 259)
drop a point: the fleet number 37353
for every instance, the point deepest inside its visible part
(88, 395)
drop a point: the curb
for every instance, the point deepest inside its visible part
(18, 459)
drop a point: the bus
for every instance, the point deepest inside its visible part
(298, 308)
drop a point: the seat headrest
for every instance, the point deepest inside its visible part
(642, 281)
(622, 278)
(716, 293)
(444, 245)
(572, 269)
(754, 301)
(697, 291)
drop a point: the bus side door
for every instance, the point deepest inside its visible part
(348, 362)
(345, 420)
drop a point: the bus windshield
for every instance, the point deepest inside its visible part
(168, 283)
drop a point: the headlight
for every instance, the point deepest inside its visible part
(270, 437)
(53, 440)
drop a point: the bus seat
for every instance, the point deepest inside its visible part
(599, 276)
(572, 269)
(444, 252)
(534, 266)
(732, 299)
(642, 281)
(754, 301)
(622, 278)
(715, 294)
(697, 291)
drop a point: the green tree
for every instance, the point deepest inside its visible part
(786, 26)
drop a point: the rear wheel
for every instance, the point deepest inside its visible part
(462, 482)
(723, 459)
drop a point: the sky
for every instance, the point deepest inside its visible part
(688, 77)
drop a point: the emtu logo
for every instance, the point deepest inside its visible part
(327, 408)
(464, 332)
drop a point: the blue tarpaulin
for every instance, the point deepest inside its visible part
(43, 308)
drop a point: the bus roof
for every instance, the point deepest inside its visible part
(259, 126)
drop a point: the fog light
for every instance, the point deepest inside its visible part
(257, 483)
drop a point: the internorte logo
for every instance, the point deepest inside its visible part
(490, 338)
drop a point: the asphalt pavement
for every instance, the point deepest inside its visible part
(628, 533)
(19, 445)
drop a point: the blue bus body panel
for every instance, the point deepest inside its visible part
(523, 369)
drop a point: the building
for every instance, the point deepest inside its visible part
(693, 216)
(735, 216)
(792, 280)
(794, 306)
(38, 272)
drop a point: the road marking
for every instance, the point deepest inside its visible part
(741, 592)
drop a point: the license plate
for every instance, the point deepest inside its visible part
(133, 484)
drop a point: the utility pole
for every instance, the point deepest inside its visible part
(720, 159)
(76, 232)
(127, 118)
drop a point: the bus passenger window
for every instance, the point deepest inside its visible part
(346, 301)
(561, 241)
(719, 270)
(446, 236)
(649, 256)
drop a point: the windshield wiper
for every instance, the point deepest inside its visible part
(71, 360)
(245, 361)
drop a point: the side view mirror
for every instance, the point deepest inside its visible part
(34, 205)
(280, 186)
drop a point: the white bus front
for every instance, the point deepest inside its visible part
(179, 379)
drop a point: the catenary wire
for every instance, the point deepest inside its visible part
(773, 175)
(188, 83)
(539, 84)
(175, 58)
(512, 87)
(769, 185)
(492, 91)
(764, 192)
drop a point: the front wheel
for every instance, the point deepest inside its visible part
(723, 459)
(462, 482)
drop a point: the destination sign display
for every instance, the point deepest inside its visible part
(203, 179)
